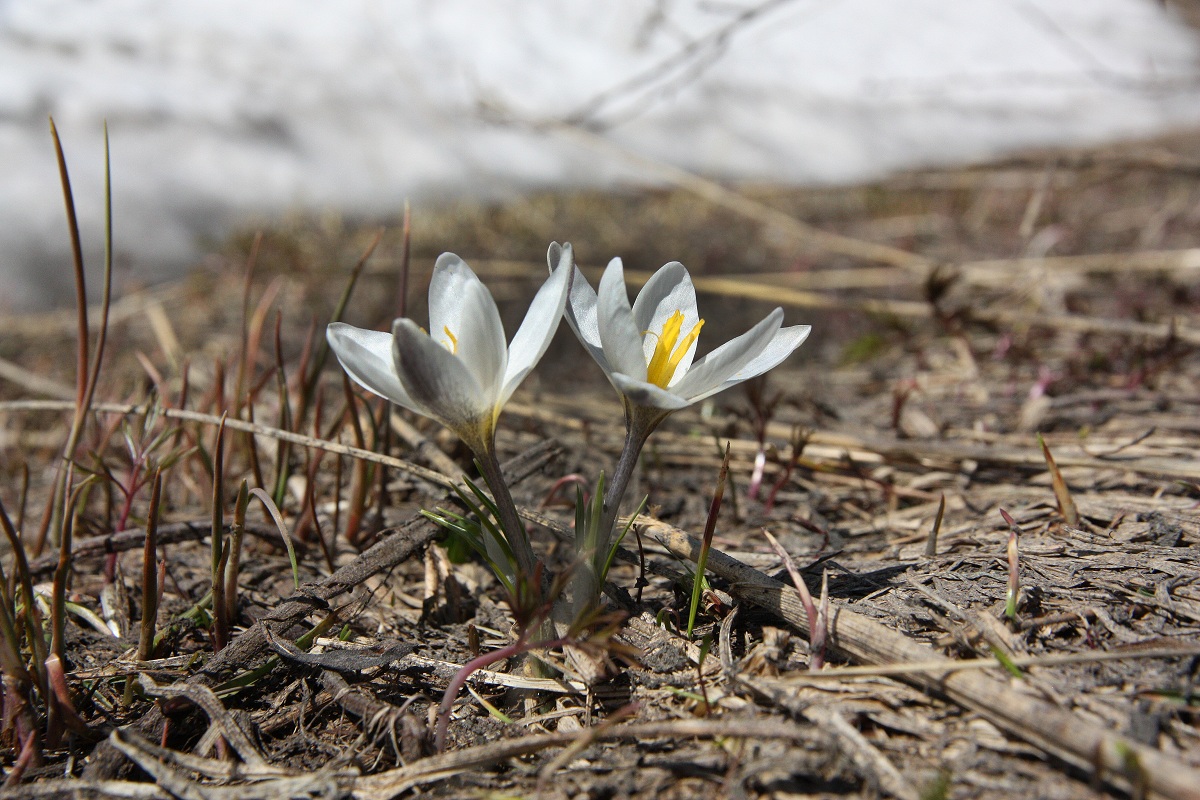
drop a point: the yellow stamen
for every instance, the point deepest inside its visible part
(669, 351)
(453, 339)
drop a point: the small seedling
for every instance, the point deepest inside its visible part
(150, 587)
(800, 437)
(931, 542)
(710, 528)
(762, 409)
(220, 552)
(1012, 597)
(1066, 505)
(88, 366)
(818, 616)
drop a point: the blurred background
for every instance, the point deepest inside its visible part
(222, 114)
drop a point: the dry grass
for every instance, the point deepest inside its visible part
(1055, 293)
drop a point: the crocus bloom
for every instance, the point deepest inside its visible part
(461, 372)
(647, 349)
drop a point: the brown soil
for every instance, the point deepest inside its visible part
(956, 315)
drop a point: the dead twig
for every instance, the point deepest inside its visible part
(207, 701)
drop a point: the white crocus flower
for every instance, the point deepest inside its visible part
(647, 349)
(461, 372)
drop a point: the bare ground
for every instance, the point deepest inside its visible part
(956, 315)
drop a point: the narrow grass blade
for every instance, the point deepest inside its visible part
(283, 451)
(53, 521)
(810, 608)
(221, 627)
(1066, 505)
(273, 510)
(148, 626)
(1013, 594)
(31, 618)
(931, 542)
(710, 528)
(235, 549)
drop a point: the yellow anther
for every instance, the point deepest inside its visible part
(453, 339)
(669, 350)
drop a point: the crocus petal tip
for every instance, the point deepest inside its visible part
(560, 255)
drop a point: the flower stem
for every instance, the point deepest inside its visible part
(640, 422)
(622, 473)
(510, 521)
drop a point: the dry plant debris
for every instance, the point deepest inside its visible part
(957, 315)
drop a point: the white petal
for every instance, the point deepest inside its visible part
(582, 317)
(536, 331)
(367, 358)
(668, 290)
(459, 301)
(785, 342)
(709, 373)
(581, 298)
(619, 334)
(581, 303)
(643, 393)
(436, 380)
